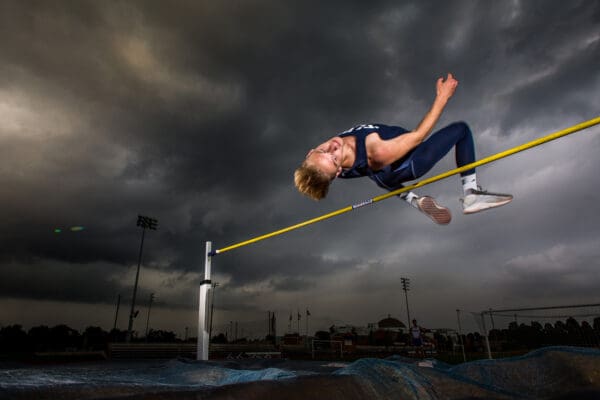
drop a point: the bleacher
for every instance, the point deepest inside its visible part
(151, 350)
(188, 350)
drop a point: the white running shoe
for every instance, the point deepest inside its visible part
(438, 214)
(479, 200)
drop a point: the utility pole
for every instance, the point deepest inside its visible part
(270, 319)
(117, 312)
(148, 318)
(272, 326)
(486, 336)
(462, 345)
(145, 223)
(492, 319)
(307, 315)
(406, 287)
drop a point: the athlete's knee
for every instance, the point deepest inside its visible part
(461, 125)
(461, 129)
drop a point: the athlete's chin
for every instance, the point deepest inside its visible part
(338, 142)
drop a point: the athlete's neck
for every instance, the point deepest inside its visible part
(348, 151)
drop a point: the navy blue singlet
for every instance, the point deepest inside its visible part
(415, 163)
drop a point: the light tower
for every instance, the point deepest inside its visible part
(144, 223)
(406, 287)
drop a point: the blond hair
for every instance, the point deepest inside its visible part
(311, 181)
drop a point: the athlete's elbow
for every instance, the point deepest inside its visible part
(415, 138)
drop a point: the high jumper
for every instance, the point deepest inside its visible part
(465, 170)
(392, 155)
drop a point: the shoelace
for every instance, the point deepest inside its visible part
(478, 191)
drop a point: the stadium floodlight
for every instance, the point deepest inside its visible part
(144, 223)
(147, 222)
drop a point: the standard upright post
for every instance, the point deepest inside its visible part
(203, 307)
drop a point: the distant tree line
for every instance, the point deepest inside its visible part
(535, 335)
(14, 339)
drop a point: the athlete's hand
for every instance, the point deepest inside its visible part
(446, 88)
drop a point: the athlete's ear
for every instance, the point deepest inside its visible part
(339, 171)
(309, 153)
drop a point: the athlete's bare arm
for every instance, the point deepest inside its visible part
(385, 152)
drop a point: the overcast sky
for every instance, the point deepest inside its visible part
(197, 113)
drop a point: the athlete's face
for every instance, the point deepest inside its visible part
(327, 157)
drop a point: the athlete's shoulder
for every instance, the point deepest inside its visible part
(362, 128)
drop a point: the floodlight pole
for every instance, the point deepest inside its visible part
(406, 287)
(145, 223)
(148, 318)
(203, 308)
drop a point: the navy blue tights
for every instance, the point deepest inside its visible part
(427, 154)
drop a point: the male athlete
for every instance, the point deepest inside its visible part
(391, 155)
(417, 339)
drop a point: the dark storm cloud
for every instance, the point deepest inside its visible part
(555, 270)
(558, 65)
(286, 267)
(48, 280)
(197, 113)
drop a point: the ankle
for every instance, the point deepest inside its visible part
(469, 182)
(411, 198)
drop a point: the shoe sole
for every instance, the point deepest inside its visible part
(485, 206)
(439, 215)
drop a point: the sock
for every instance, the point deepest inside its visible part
(409, 197)
(469, 182)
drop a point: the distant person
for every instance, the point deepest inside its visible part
(391, 155)
(417, 339)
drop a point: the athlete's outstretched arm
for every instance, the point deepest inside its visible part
(396, 148)
(445, 90)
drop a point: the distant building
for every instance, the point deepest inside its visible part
(349, 330)
(387, 331)
(390, 324)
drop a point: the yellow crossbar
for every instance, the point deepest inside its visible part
(487, 160)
